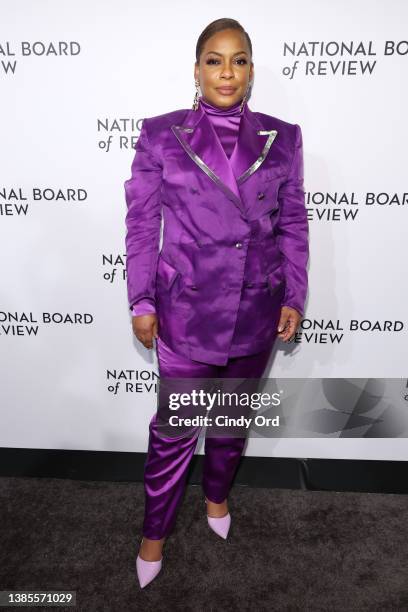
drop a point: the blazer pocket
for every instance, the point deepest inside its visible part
(166, 273)
(275, 279)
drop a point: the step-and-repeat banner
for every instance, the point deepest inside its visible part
(76, 80)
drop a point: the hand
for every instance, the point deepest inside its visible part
(145, 328)
(288, 323)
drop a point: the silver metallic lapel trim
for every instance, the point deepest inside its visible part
(201, 163)
(272, 135)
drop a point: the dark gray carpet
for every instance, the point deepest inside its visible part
(286, 550)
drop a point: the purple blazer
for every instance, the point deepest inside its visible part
(235, 231)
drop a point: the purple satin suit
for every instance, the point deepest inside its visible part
(228, 187)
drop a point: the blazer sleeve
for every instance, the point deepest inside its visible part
(143, 221)
(293, 230)
(142, 307)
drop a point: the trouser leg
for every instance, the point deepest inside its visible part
(165, 476)
(168, 458)
(222, 454)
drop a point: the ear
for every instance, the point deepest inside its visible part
(196, 71)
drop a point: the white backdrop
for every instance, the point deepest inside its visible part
(76, 78)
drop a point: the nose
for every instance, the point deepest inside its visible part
(227, 71)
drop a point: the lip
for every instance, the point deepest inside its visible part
(226, 91)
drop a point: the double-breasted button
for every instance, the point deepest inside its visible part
(238, 245)
(248, 284)
(193, 189)
(193, 287)
(261, 195)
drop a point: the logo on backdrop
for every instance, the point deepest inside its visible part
(338, 58)
(118, 133)
(333, 331)
(340, 206)
(114, 267)
(26, 323)
(131, 381)
(15, 201)
(12, 52)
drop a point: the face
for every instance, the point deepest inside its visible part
(225, 68)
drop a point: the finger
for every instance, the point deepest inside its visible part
(290, 336)
(146, 340)
(283, 327)
(288, 332)
(282, 324)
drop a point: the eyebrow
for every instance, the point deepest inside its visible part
(216, 53)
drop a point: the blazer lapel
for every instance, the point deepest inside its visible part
(252, 146)
(199, 139)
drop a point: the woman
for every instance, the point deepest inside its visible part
(231, 275)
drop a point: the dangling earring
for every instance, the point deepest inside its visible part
(244, 99)
(197, 95)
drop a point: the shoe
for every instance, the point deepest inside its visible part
(220, 525)
(147, 570)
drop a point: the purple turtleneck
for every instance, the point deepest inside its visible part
(225, 122)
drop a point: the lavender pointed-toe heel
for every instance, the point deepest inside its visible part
(147, 570)
(220, 525)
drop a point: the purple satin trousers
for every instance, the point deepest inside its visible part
(168, 459)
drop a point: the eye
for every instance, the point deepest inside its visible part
(240, 61)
